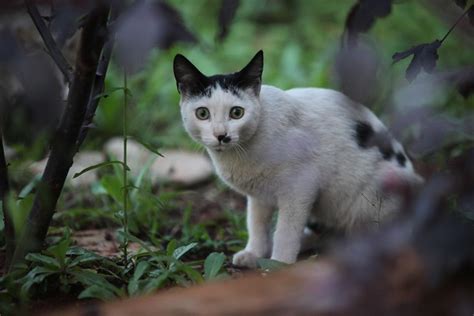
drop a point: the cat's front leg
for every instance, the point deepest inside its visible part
(258, 226)
(293, 213)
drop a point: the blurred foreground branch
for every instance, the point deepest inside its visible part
(64, 144)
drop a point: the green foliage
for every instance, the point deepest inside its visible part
(270, 264)
(213, 265)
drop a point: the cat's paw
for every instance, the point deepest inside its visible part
(245, 258)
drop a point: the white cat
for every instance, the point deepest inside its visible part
(305, 151)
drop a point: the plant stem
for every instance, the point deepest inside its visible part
(125, 180)
(454, 25)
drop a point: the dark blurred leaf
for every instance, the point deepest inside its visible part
(355, 73)
(65, 19)
(470, 14)
(424, 57)
(147, 25)
(363, 14)
(463, 79)
(226, 16)
(8, 46)
(461, 3)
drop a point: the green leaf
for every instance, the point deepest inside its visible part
(45, 260)
(100, 165)
(85, 258)
(213, 265)
(193, 274)
(180, 251)
(140, 269)
(97, 292)
(29, 187)
(60, 249)
(171, 247)
(141, 176)
(137, 240)
(148, 146)
(19, 210)
(155, 283)
(113, 186)
(34, 276)
(91, 278)
(270, 264)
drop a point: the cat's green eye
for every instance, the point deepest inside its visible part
(202, 113)
(237, 112)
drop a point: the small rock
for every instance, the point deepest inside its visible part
(182, 167)
(82, 160)
(177, 166)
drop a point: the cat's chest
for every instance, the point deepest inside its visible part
(245, 175)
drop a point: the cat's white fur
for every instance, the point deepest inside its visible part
(295, 151)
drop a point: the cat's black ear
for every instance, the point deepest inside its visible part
(189, 80)
(251, 75)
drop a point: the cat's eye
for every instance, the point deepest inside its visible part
(237, 112)
(202, 113)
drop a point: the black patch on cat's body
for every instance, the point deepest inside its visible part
(366, 137)
(387, 152)
(401, 159)
(363, 133)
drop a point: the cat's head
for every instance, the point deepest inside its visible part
(220, 111)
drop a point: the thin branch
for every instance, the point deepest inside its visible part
(4, 188)
(99, 82)
(49, 41)
(99, 85)
(454, 25)
(64, 144)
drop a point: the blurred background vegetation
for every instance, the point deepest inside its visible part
(300, 40)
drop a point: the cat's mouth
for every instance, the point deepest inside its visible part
(220, 148)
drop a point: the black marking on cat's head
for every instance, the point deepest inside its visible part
(363, 133)
(401, 159)
(191, 82)
(366, 137)
(387, 152)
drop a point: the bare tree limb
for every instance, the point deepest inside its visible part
(4, 187)
(64, 144)
(49, 41)
(99, 83)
